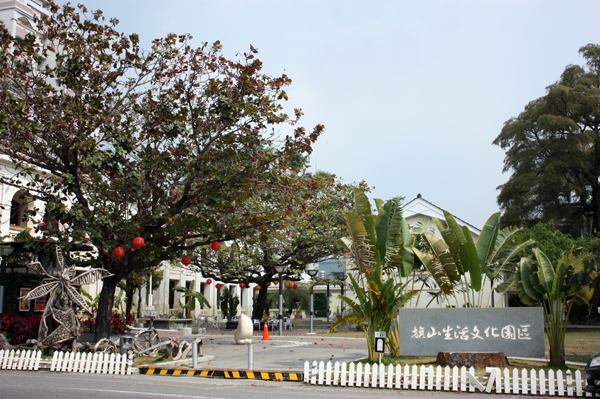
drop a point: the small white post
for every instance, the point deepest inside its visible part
(398, 377)
(351, 376)
(578, 383)
(306, 371)
(542, 382)
(314, 374)
(321, 372)
(560, 383)
(570, 390)
(344, 375)
(336, 373)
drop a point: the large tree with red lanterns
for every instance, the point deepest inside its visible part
(147, 155)
(307, 237)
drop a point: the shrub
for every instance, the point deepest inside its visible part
(18, 329)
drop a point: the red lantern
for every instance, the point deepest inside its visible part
(215, 246)
(276, 282)
(268, 284)
(295, 286)
(118, 252)
(209, 281)
(242, 285)
(186, 260)
(218, 286)
(257, 288)
(138, 242)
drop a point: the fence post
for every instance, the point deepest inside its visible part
(343, 378)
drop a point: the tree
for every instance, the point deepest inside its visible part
(381, 247)
(167, 145)
(309, 237)
(553, 153)
(134, 281)
(553, 285)
(229, 303)
(450, 259)
(553, 243)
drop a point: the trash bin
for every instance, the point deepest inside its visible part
(126, 343)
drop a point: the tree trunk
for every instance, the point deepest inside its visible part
(261, 300)
(105, 305)
(139, 307)
(129, 304)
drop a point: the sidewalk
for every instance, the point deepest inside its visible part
(286, 354)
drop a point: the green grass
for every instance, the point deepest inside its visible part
(139, 360)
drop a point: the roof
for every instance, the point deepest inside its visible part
(420, 206)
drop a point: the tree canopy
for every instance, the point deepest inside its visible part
(311, 236)
(168, 144)
(553, 153)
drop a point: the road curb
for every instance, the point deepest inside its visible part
(267, 375)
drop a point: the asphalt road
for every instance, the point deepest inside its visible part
(47, 385)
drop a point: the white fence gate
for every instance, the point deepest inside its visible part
(525, 382)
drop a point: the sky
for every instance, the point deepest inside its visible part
(411, 93)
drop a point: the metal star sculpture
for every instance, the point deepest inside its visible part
(61, 309)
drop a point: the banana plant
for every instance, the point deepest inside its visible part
(457, 263)
(383, 239)
(191, 297)
(381, 246)
(376, 308)
(538, 281)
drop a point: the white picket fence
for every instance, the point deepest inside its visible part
(100, 363)
(19, 360)
(70, 362)
(526, 382)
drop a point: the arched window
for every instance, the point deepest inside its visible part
(18, 207)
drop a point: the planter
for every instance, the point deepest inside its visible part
(298, 316)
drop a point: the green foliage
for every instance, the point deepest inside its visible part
(540, 281)
(229, 303)
(166, 144)
(305, 238)
(381, 247)
(297, 300)
(449, 260)
(320, 304)
(552, 153)
(191, 297)
(548, 238)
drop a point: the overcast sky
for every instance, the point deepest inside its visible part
(411, 93)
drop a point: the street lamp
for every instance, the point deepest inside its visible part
(341, 276)
(280, 269)
(312, 273)
(5, 252)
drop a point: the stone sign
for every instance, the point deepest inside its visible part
(513, 331)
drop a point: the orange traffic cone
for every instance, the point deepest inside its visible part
(266, 336)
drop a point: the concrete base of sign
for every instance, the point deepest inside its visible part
(469, 359)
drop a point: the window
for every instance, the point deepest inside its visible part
(18, 209)
(202, 288)
(172, 285)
